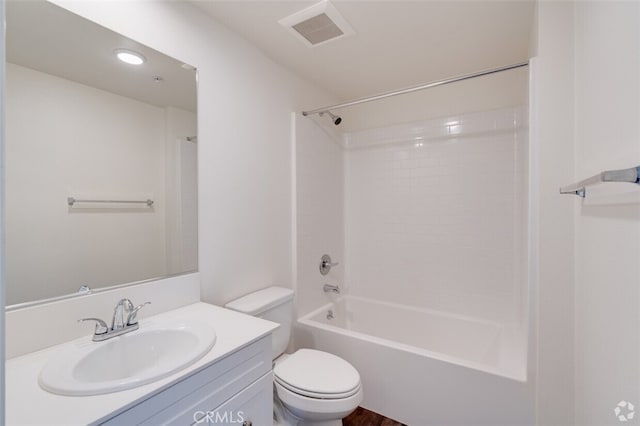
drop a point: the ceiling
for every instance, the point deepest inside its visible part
(47, 38)
(397, 43)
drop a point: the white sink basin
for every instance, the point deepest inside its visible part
(152, 352)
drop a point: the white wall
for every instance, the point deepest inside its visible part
(586, 97)
(607, 234)
(181, 186)
(435, 214)
(68, 139)
(552, 214)
(188, 202)
(319, 211)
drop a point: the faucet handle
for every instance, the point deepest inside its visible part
(133, 314)
(101, 326)
(326, 264)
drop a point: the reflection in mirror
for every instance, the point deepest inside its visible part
(89, 140)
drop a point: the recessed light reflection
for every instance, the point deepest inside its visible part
(130, 57)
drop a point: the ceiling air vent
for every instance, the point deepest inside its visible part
(317, 24)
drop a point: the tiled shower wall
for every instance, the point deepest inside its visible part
(435, 214)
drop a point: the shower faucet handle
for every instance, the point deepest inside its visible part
(326, 264)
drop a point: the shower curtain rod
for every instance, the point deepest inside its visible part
(416, 88)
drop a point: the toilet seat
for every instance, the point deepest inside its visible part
(317, 374)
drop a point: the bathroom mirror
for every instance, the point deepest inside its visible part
(100, 154)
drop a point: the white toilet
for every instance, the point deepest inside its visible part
(311, 388)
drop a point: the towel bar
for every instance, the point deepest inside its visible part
(631, 175)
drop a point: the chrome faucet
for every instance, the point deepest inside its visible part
(123, 308)
(328, 288)
(125, 320)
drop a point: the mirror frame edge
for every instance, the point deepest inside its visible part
(2, 283)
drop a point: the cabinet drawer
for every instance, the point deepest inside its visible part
(253, 406)
(202, 391)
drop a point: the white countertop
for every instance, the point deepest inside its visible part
(28, 404)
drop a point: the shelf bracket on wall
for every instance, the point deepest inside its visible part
(631, 175)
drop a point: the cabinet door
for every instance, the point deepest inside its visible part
(251, 407)
(203, 390)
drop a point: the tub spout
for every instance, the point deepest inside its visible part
(328, 288)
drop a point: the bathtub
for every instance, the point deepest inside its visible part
(424, 367)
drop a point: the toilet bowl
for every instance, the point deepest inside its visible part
(311, 387)
(314, 388)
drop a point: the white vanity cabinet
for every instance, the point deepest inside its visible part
(234, 390)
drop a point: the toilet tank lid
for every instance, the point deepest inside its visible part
(261, 300)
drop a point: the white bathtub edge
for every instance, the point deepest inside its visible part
(306, 320)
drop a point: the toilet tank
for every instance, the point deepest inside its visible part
(273, 304)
